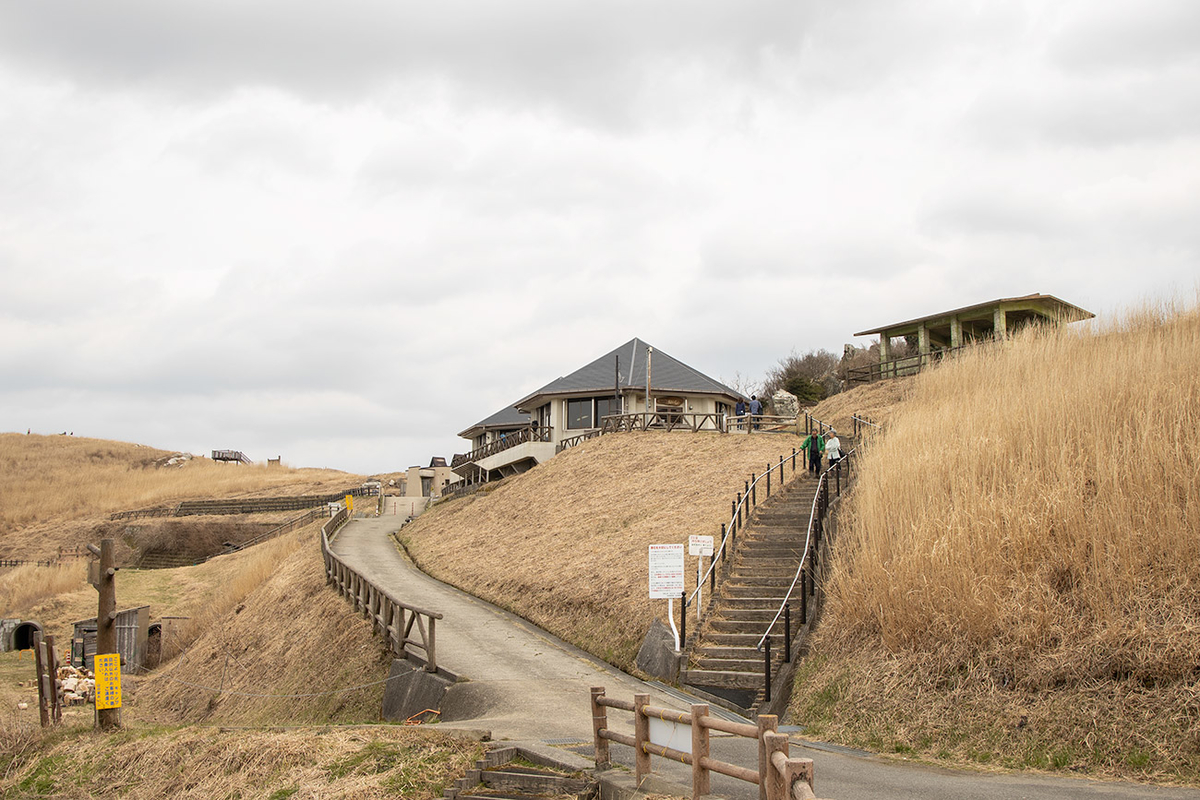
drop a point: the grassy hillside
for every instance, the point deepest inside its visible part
(1017, 578)
(55, 489)
(565, 544)
(209, 762)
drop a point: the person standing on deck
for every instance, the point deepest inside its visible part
(755, 409)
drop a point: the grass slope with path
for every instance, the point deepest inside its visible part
(565, 544)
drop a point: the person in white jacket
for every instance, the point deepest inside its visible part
(833, 448)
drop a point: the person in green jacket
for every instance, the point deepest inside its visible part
(814, 444)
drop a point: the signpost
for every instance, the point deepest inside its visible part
(103, 577)
(666, 578)
(700, 546)
(108, 681)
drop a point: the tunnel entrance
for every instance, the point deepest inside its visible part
(26, 635)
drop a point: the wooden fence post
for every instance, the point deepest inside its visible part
(767, 723)
(776, 786)
(700, 776)
(641, 737)
(39, 648)
(599, 723)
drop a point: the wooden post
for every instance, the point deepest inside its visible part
(776, 785)
(39, 666)
(599, 723)
(767, 723)
(52, 668)
(431, 646)
(106, 622)
(768, 481)
(641, 737)
(799, 769)
(700, 775)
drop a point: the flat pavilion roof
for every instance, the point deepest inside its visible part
(1042, 304)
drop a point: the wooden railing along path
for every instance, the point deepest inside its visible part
(778, 776)
(247, 505)
(394, 620)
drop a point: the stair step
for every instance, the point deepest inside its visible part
(735, 665)
(732, 680)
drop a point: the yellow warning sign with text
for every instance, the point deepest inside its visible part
(350, 503)
(108, 681)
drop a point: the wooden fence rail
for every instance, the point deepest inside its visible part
(529, 434)
(394, 620)
(777, 776)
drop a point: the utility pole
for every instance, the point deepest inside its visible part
(104, 579)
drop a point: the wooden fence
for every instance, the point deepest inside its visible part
(248, 505)
(777, 776)
(394, 620)
(663, 421)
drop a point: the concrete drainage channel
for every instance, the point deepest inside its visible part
(516, 772)
(520, 770)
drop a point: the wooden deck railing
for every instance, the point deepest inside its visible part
(900, 367)
(530, 434)
(662, 421)
(394, 620)
(777, 776)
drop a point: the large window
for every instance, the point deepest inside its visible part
(579, 413)
(606, 406)
(587, 411)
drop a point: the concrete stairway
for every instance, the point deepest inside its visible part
(723, 661)
(500, 774)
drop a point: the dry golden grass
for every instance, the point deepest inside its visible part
(565, 545)
(324, 763)
(25, 587)
(273, 629)
(877, 401)
(53, 488)
(1017, 579)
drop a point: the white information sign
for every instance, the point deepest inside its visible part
(700, 546)
(666, 571)
(675, 735)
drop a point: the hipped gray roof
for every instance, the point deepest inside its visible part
(667, 374)
(507, 417)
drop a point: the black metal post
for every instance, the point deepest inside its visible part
(767, 669)
(768, 481)
(753, 491)
(787, 634)
(739, 511)
(722, 547)
(803, 595)
(683, 619)
(712, 568)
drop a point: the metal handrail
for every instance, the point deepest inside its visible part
(742, 505)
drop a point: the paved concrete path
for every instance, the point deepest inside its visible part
(527, 685)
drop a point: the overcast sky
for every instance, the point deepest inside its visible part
(342, 233)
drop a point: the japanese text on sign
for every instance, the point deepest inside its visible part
(700, 545)
(666, 571)
(108, 681)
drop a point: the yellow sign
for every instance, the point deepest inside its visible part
(108, 681)
(350, 503)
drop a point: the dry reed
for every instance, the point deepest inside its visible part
(1027, 529)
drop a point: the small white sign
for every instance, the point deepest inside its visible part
(666, 571)
(668, 733)
(700, 546)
